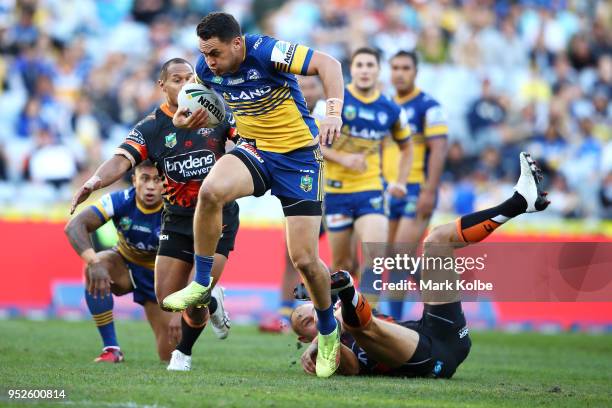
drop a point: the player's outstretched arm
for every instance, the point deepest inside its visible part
(77, 230)
(330, 72)
(108, 172)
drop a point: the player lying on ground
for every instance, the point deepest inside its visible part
(174, 150)
(438, 343)
(136, 213)
(255, 75)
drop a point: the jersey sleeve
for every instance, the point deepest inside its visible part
(134, 147)
(199, 69)
(108, 205)
(284, 56)
(435, 122)
(401, 130)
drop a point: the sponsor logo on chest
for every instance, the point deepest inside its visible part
(189, 166)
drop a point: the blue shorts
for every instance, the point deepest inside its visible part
(343, 209)
(294, 177)
(406, 206)
(143, 282)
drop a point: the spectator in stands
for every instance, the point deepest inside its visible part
(51, 161)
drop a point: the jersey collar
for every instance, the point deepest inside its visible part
(145, 210)
(365, 99)
(166, 109)
(415, 92)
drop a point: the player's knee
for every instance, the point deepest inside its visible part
(306, 264)
(211, 195)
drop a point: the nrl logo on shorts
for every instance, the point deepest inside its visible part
(125, 223)
(350, 112)
(376, 202)
(171, 140)
(306, 183)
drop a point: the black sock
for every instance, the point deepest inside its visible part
(349, 312)
(212, 306)
(512, 207)
(189, 335)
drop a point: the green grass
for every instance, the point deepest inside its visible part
(251, 369)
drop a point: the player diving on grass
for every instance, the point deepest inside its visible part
(136, 214)
(255, 75)
(438, 343)
(409, 215)
(354, 202)
(184, 157)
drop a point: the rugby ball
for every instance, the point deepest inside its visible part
(193, 96)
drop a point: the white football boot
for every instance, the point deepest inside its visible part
(220, 319)
(529, 184)
(179, 362)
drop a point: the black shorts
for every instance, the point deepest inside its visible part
(444, 342)
(176, 237)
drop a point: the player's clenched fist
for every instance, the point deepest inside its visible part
(184, 119)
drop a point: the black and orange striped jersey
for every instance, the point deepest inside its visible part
(183, 156)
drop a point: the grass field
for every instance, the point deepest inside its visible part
(252, 369)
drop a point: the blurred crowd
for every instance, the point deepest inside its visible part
(511, 75)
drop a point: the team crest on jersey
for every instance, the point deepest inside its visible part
(350, 112)
(306, 183)
(170, 140)
(253, 75)
(217, 79)
(382, 117)
(125, 223)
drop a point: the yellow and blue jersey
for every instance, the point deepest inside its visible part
(264, 96)
(427, 120)
(366, 122)
(138, 228)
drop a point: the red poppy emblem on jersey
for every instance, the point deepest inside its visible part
(188, 143)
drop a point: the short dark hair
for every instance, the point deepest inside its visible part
(221, 25)
(366, 50)
(147, 163)
(410, 54)
(163, 73)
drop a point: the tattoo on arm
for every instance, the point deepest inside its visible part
(79, 228)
